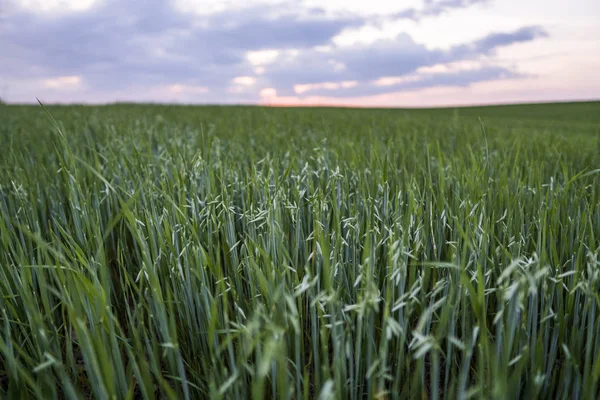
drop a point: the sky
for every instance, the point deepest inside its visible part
(408, 53)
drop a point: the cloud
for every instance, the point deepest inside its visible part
(389, 58)
(495, 40)
(231, 55)
(62, 82)
(244, 80)
(152, 42)
(268, 93)
(299, 89)
(416, 81)
(432, 8)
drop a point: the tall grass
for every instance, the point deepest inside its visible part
(181, 252)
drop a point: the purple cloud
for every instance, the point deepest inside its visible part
(385, 58)
(116, 45)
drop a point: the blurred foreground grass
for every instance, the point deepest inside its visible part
(233, 252)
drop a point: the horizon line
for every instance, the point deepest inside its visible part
(305, 105)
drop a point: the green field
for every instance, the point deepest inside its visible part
(177, 252)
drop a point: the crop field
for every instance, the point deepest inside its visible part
(184, 252)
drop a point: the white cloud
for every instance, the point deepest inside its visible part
(244, 80)
(268, 93)
(396, 80)
(382, 7)
(187, 89)
(205, 7)
(62, 82)
(299, 89)
(363, 35)
(463, 65)
(262, 57)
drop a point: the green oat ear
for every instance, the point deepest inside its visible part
(228, 252)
